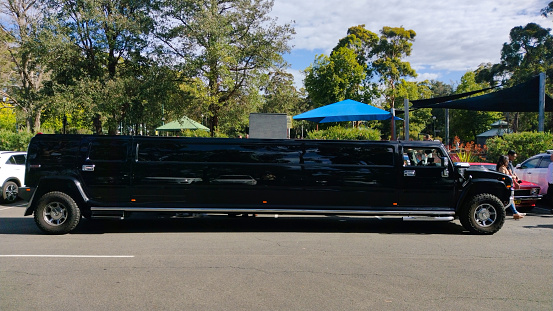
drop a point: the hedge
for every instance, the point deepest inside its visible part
(525, 144)
(341, 133)
(14, 141)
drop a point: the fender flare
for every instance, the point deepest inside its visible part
(65, 184)
(492, 186)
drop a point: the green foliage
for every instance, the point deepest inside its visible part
(227, 45)
(526, 144)
(14, 141)
(7, 118)
(335, 78)
(395, 43)
(200, 133)
(341, 133)
(467, 156)
(466, 124)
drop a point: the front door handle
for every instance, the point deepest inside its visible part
(409, 173)
(88, 168)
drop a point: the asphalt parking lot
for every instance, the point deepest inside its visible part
(275, 263)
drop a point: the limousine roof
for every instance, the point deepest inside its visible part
(412, 143)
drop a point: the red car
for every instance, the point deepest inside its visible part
(525, 197)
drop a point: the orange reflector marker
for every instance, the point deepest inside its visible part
(28, 190)
(264, 202)
(508, 186)
(395, 204)
(133, 200)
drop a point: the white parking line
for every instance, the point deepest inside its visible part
(69, 256)
(5, 208)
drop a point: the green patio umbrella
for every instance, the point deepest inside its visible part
(184, 123)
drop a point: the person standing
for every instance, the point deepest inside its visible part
(512, 155)
(502, 167)
(550, 182)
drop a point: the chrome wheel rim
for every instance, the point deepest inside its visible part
(485, 215)
(11, 193)
(55, 213)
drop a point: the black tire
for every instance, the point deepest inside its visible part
(57, 213)
(483, 214)
(10, 192)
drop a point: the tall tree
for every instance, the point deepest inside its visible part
(395, 43)
(335, 78)
(19, 35)
(226, 44)
(281, 95)
(101, 43)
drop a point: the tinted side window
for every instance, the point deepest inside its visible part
(349, 155)
(545, 160)
(532, 163)
(18, 159)
(186, 152)
(110, 150)
(53, 151)
(11, 160)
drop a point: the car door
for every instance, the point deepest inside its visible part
(15, 167)
(535, 170)
(106, 170)
(427, 180)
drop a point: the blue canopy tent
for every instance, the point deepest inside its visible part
(346, 110)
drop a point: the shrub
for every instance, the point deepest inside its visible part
(469, 152)
(526, 144)
(200, 133)
(340, 133)
(14, 141)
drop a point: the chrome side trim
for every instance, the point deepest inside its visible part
(278, 211)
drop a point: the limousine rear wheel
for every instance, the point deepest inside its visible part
(483, 214)
(57, 213)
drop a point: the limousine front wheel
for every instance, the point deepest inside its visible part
(483, 214)
(57, 213)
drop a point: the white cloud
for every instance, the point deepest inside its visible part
(451, 35)
(426, 76)
(298, 77)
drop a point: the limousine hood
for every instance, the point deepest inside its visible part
(487, 174)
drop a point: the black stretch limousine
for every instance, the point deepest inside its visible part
(69, 176)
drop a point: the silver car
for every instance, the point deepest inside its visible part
(535, 169)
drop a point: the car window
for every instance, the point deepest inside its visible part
(19, 159)
(10, 160)
(422, 157)
(108, 150)
(545, 160)
(532, 163)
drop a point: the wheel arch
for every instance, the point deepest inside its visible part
(69, 186)
(476, 187)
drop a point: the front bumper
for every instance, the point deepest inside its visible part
(527, 199)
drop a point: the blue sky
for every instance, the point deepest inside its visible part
(453, 36)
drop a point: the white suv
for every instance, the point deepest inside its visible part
(535, 170)
(12, 174)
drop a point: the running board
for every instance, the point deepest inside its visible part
(428, 218)
(108, 215)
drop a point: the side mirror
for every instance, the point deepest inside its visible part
(519, 165)
(445, 161)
